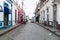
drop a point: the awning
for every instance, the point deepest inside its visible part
(6, 10)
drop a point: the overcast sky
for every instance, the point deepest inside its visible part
(29, 6)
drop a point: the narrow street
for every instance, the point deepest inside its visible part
(29, 19)
(32, 31)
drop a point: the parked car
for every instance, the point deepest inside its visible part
(33, 19)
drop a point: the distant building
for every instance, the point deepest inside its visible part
(37, 12)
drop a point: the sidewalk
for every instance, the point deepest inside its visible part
(56, 32)
(4, 31)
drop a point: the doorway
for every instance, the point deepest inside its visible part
(15, 15)
(5, 19)
(54, 16)
(6, 13)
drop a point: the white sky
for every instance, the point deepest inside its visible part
(29, 6)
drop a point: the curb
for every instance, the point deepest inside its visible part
(50, 30)
(9, 30)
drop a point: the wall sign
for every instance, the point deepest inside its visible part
(1, 9)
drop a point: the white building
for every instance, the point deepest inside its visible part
(14, 13)
(37, 13)
(50, 13)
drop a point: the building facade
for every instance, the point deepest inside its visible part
(37, 12)
(10, 13)
(50, 13)
(14, 13)
(5, 13)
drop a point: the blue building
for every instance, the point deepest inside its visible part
(5, 13)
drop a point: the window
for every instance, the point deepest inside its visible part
(43, 14)
(47, 9)
(55, 7)
(1, 9)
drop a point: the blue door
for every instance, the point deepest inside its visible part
(6, 12)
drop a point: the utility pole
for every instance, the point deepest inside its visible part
(22, 4)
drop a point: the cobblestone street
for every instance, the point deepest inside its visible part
(29, 19)
(32, 31)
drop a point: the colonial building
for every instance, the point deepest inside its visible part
(5, 13)
(17, 13)
(10, 13)
(37, 12)
(14, 12)
(50, 13)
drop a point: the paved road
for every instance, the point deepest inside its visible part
(32, 31)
